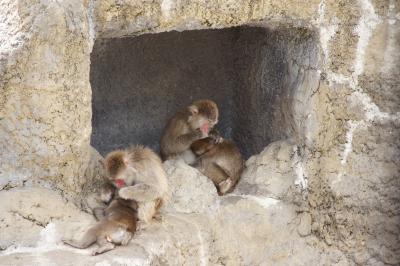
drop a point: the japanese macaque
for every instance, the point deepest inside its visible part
(116, 226)
(139, 175)
(220, 160)
(107, 193)
(185, 127)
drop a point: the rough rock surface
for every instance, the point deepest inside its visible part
(348, 149)
(197, 228)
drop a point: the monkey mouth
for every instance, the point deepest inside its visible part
(119, 183)
(205, 128)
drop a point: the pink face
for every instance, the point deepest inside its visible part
(205, 128)
(119, 183)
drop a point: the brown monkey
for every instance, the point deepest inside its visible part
(107, 193)
(117, 225)
(220, 160)
(139, 175)
(185, 127)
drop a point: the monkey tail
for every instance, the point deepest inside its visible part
(87, 240)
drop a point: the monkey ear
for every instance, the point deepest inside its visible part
(125, 159)
(193, 110)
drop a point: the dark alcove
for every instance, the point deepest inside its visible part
(138, 83)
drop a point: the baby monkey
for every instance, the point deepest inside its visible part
(220, 160)
(116, 226)
(185, 127)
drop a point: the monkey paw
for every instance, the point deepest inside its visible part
(218, 140)
(126, 239)
(125, 193)
(225, 185)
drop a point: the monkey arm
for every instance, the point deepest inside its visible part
(215, 136)
(139, 192)
(184, 141)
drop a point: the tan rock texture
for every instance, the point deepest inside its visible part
(197, 228)
(344, 156)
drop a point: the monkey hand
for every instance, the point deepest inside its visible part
(125, 193)
(217, 139)
(225, 185)
(215, 136)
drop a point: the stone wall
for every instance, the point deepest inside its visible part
(348, 151)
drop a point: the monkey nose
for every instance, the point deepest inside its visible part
(119, 182)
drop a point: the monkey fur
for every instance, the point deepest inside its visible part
(116, 226)
(139, 175)
(220, 160)
(185, 127)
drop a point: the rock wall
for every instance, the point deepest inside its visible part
(45, 99)
(197, 227)
(348, 152)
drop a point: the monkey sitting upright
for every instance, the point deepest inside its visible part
(185, 127)
(116, 226)
(139, 175)
(220, 160)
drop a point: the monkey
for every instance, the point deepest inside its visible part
(220, 160)
(139, 175)
(107, 193)
(116, 226)
(188, 125)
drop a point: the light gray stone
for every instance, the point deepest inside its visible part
(304, 227)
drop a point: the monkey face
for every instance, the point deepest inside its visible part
(198, 121)
(119, 169)
(125, 177)
(203, 115)
(202, 122)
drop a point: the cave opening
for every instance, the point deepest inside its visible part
(260, 78)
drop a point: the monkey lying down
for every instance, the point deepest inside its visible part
(116, 226)
(142, 185)
(220, 160)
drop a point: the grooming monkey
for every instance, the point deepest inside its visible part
(116, 226)
(220, 160)
(139, 175)
(185, 127)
